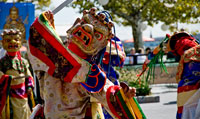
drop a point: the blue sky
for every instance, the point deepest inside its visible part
(67, 16)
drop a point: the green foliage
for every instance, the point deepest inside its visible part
(128, 74)
(40, 4)
(3, 0)
(134, 12)
(152, 11)
(142, 88)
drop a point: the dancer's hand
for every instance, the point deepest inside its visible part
(49, 16)
(128, 91)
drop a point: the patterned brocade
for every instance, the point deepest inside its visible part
(193, 54)
(7, 63)
(46, 46)
(188, 77)
(61, 64)
(17, 93)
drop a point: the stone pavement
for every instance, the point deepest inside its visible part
(165, 108)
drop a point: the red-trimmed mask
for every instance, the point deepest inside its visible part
(11, 40)
(91, 33)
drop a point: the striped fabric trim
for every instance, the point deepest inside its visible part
(48, 33)
(5, 90)
(14, 91)
(180, 109)
(18, 86)
(111, 90)
(190, 55)
(119, 100)
(137, 109)
(22, 96)
(188, 88)
(35, 52)
(179, 112)
(125, 105)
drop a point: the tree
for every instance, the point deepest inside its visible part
(134, 12)
(40, 4)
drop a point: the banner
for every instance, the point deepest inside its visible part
(17, 15)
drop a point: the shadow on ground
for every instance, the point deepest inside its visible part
(170, 103)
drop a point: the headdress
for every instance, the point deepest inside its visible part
(180, 41)
(92, 33)
(13, 42)
(10, 32)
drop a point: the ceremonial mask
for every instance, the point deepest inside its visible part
(11, 40)
(92, 32)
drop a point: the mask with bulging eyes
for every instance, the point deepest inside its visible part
(91, 33)
(11, 40)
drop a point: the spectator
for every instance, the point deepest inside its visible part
(140, 56)
(16, 84)
(185, 46)
(131, 58)
(149, 53)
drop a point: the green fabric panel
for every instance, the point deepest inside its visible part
(143, 115)
(124, 105)
(46, 23)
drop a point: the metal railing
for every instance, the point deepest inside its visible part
(135, 60)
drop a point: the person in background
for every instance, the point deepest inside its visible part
(131, 58)
(67, 83)
(185, 45)
(16, 81)
(140, 56)
(149, 53)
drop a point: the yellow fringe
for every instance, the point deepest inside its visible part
(135, 108)
(7, 108)
(32, 99)
(127, 103)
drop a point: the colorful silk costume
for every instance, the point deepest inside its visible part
(188, 79)
(16, 82)
(69, 76)
(17, 96)
(113, 56)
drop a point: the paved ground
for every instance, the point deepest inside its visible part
(166, 108)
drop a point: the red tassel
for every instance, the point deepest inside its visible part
(144, 67)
